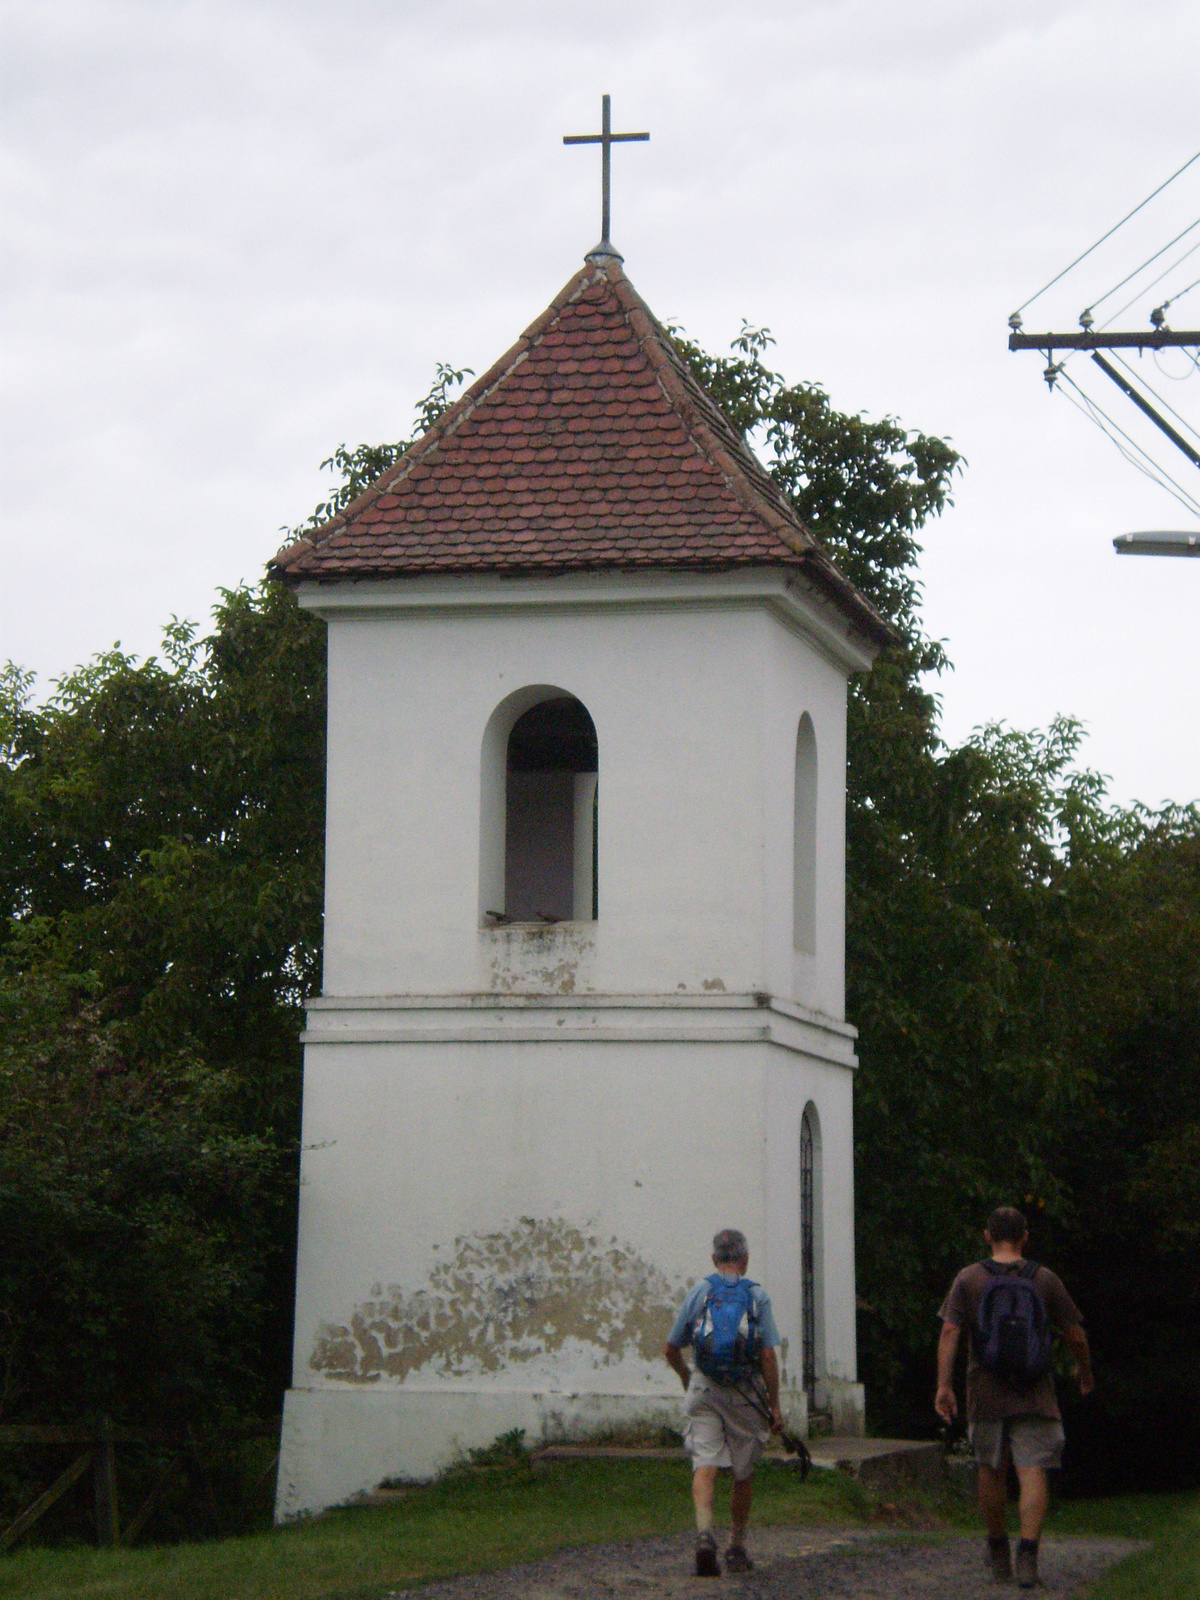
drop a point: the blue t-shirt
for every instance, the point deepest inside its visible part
(681, 1334)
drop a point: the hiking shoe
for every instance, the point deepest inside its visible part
(736, 1559)
(1027, 1574)
(1000, 1559)
(707, 1565)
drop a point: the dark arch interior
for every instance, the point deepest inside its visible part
(555, 736)
(550, 825)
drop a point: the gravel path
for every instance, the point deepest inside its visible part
(791, 1564)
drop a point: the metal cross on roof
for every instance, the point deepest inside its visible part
(606, 138)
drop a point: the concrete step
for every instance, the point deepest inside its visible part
(877, 1462)
(606, 1452)
(874, 1462)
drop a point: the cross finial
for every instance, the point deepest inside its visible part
(606, 138)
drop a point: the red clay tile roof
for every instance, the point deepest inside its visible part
(588, 447)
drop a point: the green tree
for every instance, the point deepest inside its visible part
(161, 868)
(162, 863)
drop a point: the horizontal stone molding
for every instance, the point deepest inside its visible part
(579, 1019)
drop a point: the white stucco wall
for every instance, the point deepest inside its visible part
(696, 692)
(518, 1141)
(516, 1219)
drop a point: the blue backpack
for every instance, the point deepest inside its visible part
(725, 1333)
(1012, 1332)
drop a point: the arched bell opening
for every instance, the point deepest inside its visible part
(540, 804)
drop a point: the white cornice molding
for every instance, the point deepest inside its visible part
(795, 601)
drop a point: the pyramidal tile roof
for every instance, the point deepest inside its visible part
(589, 447)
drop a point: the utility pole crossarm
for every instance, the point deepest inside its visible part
(1152, 339)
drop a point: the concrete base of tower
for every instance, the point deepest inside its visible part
(847, 1408)
(336, 1444)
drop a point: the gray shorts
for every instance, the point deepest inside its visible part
(723, 1428)
(1027, 1441)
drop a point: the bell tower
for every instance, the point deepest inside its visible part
(583, 984)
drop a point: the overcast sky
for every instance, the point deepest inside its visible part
(237, 232)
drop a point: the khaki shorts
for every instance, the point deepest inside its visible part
(723, 1429)
(1027, 1441)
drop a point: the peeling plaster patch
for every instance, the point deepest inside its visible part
(537, 960)
(504, 1299)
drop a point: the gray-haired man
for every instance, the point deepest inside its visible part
(732, 1407)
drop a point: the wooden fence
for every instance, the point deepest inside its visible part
(99, 1457)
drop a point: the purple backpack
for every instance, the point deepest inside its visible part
(1012, 1335)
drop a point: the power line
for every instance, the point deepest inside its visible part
(1147, 465)
(1175, 377)
(1153, 284)
(1144, 265)
(1132, 392)
(1105, 236)
(1166, 404)
(1182, 292)
(1187, 504)
(1092, 409)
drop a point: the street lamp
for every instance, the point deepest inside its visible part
(1157, 544)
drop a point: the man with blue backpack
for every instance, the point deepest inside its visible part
(1011, 1309)
(732, 1403)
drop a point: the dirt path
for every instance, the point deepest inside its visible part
(791, 1564)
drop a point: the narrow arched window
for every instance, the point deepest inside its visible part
(550, 825)
(804, 841)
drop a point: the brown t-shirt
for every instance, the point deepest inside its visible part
(989, 1400)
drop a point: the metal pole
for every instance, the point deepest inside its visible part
(1175, 437)
(605, 159)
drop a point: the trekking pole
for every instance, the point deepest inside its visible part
(792, 1442)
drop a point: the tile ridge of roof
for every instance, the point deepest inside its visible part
(739, 475)
(450, 419)
(653, 337)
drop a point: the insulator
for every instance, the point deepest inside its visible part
(1086, 320)
(1015, 322)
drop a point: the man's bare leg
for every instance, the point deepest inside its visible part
(993, 1507)
(993, 1500)
(704, 1482)
(1035, 1501)
(739, 1509)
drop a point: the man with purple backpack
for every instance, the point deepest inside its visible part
(1011, 1309)
(732, 1404)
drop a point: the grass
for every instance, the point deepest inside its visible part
(480, 1519)
(467, 1522)
(1169, 1570)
